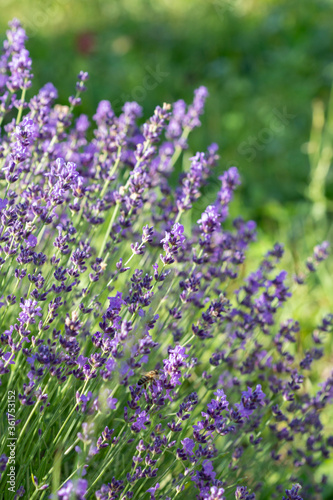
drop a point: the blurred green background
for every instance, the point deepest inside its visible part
(268, 65)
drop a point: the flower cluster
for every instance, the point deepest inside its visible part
(149, 357)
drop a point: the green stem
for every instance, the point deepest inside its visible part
(110, 458)
(20, 110)
(26, 423)
(108, 231)
(179, 149)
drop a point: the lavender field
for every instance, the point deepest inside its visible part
(145, 353)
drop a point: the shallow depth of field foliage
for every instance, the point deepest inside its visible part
(124, 250)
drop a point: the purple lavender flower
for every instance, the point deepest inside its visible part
(191, 182)
(173, 364)
(111, 402)
(250, 401)
(104, 112)
(188, 446)
(79, 489)
(116, 302)
(31, 241)
(153, 490)
(19, 62)
(320, 253)
(242, 493)
(19, 493)
(20, 151)
(111, 490)
(173, 241)
(230, 180)
(3, 463)
(204, 477)
(30, 310)
(142, 419)
(191, 119)
(215, 493)
(293, 493)
(209, 220)
(9, 358)
(62, 177)
(155, 126)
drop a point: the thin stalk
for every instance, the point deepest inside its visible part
(20, 110)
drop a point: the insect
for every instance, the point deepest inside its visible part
(148, 377)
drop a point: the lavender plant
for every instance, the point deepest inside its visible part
(101, 282)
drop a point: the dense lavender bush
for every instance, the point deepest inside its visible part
(101, 282)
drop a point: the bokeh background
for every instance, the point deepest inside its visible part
(268, 66)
